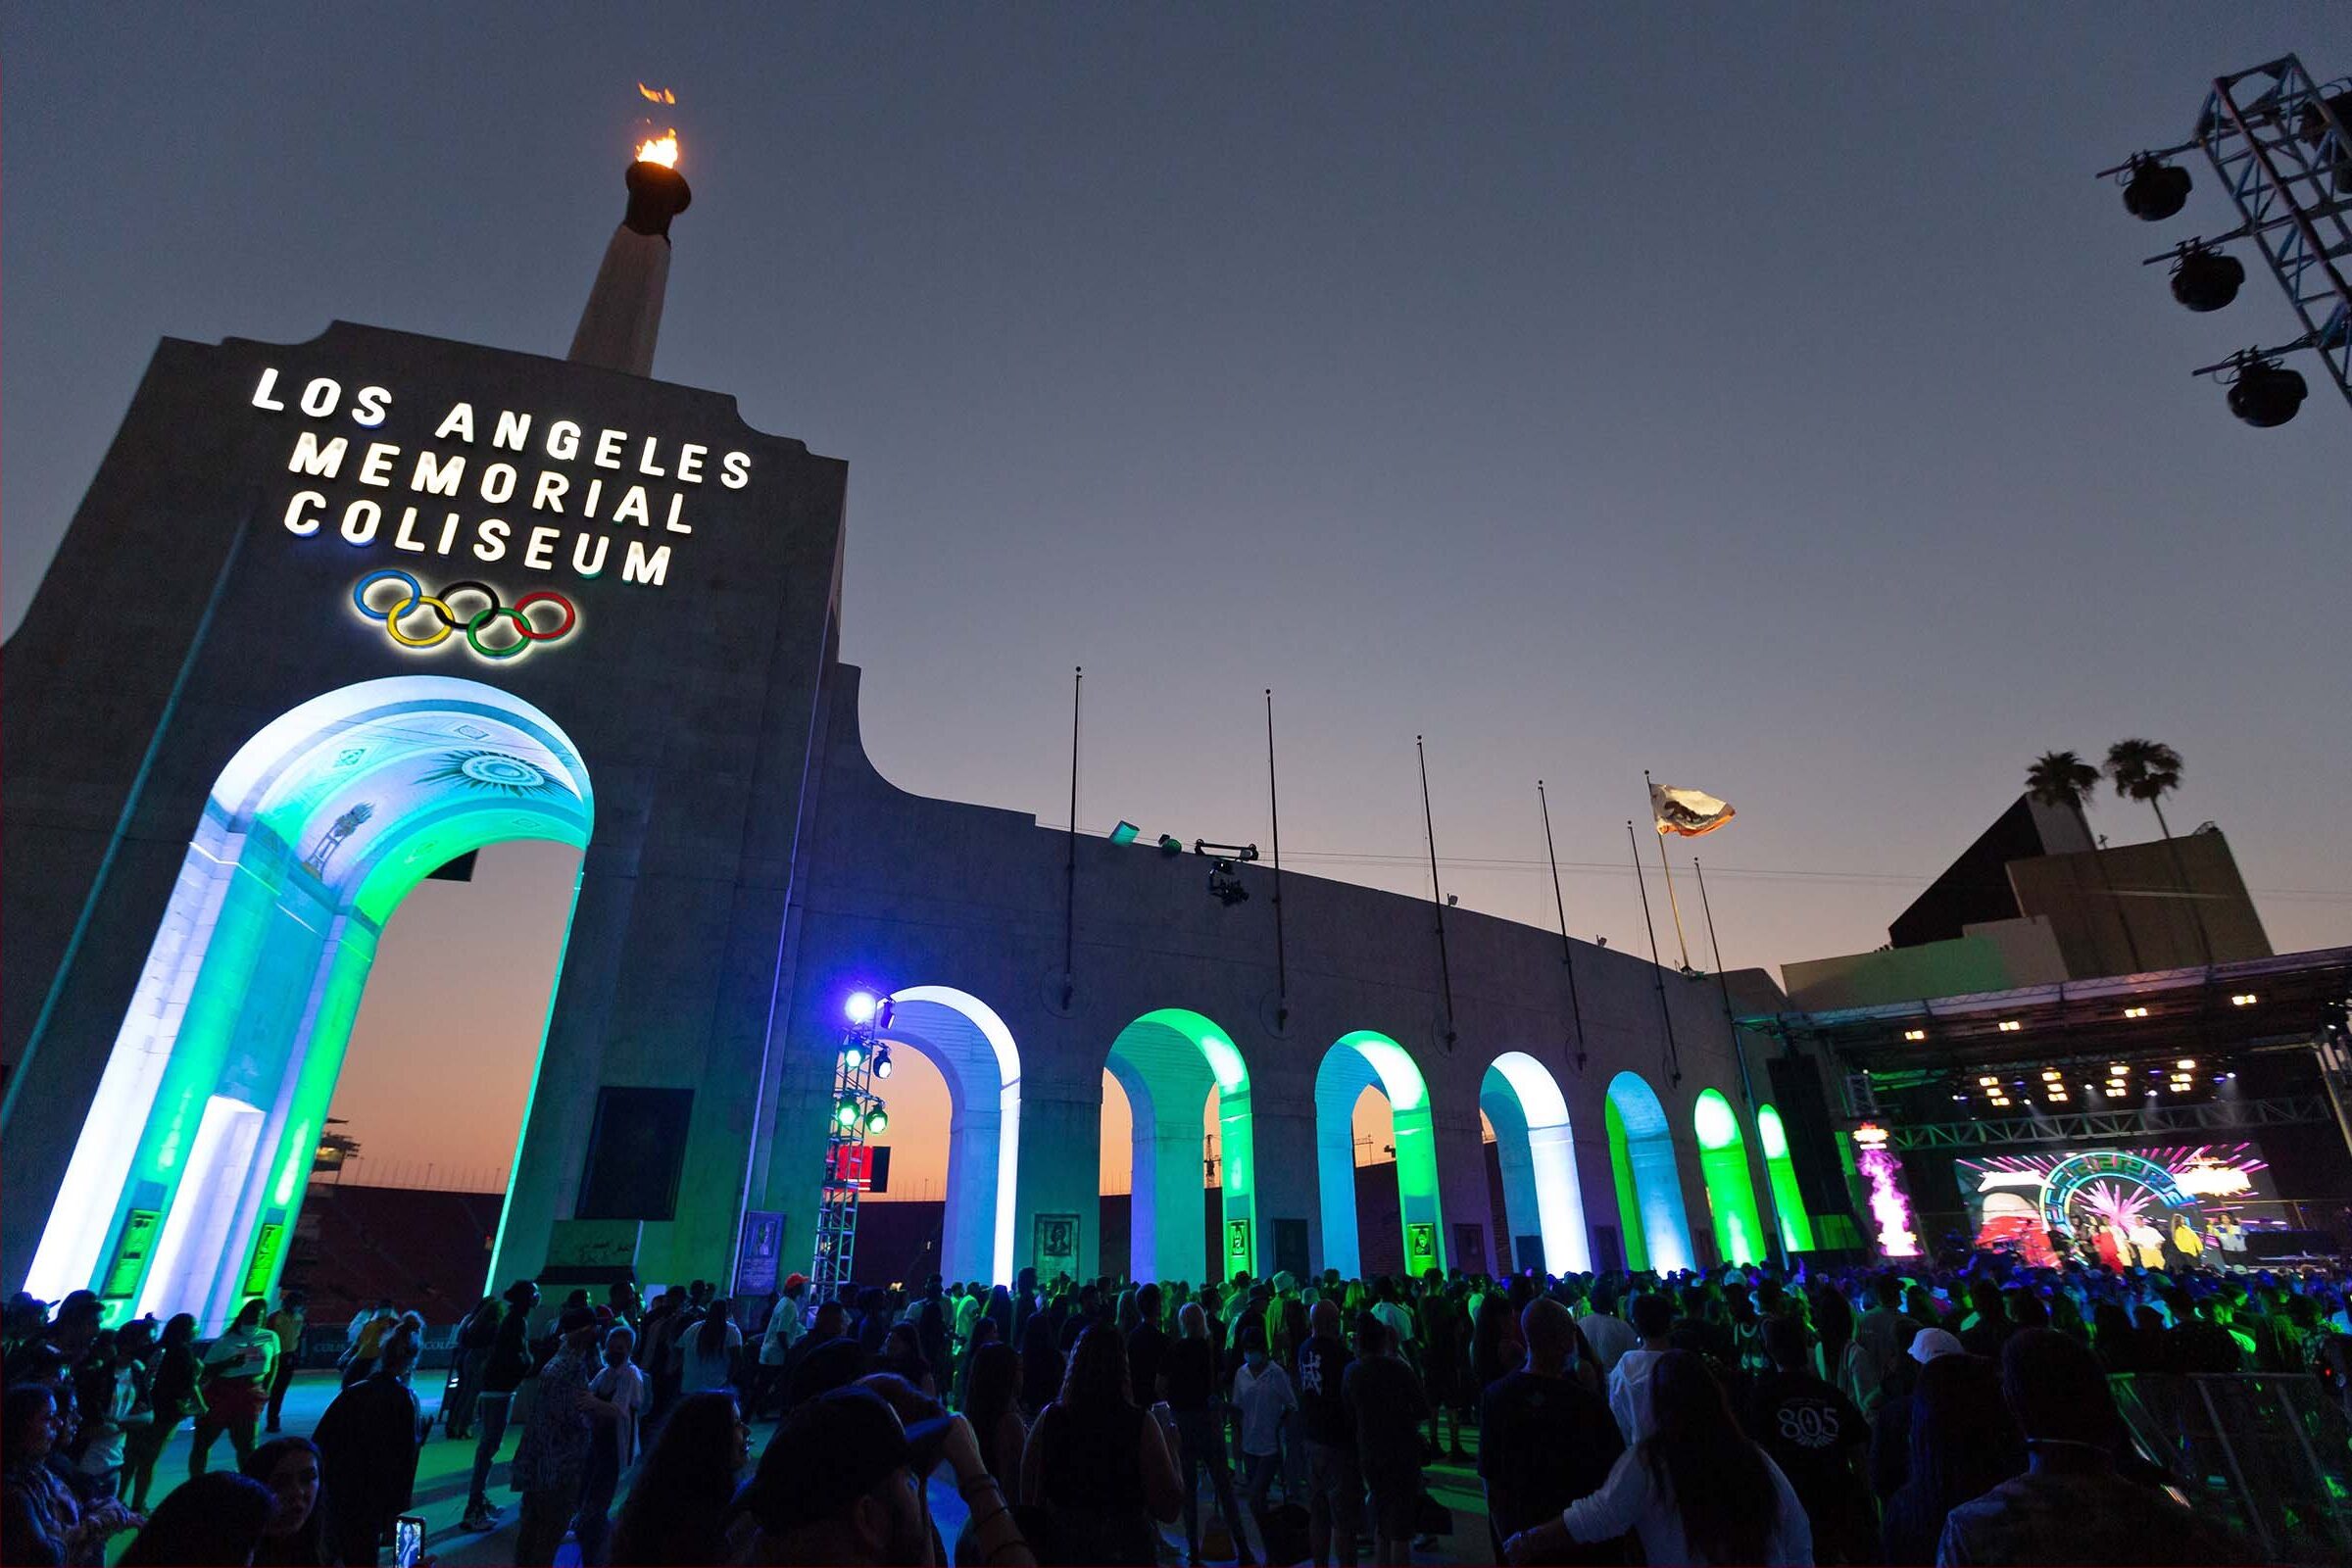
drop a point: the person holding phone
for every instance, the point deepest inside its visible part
(236, 1371)
(367, 1454)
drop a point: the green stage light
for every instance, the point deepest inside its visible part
(851, 1056)
(1125, 833)
(845, 1112)
(877, 1120)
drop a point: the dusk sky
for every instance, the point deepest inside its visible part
(1767, 396)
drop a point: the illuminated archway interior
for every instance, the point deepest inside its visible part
(1797, 1228)
(1168, 1062)
(189, 1171)
(1523, 1103)
(974, 1051)
(1356, 1062)
(1723, 1166)
(1650, 1190)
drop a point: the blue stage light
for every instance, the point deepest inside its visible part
(860, 1009)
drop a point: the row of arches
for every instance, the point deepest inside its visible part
(1178, 1068)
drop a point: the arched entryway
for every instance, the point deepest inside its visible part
(1168, 1062)
(189, 1171)
(1723, 1167)
(1369, 1060)
(975, 1053)
(1649, 1187)
(1797, 1228)
(1523, 1103)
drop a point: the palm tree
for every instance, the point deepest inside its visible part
(2145, 771)
(2063, 778)
(2149, 770)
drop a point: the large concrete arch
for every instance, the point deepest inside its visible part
(1532, 1144)
(186, 1181)
(1357, 1061)
(974, 1051)
(1167, 1061)
(1722, 1168)
(1650, 1188)
(1772, 1139)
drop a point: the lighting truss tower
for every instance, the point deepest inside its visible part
(853, 1113)
(2279, 145)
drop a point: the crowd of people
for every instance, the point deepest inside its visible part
(1938, 1415)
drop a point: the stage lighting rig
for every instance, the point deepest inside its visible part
(2280, 149)
(1224, 880)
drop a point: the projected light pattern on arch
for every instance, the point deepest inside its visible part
(975, 1053)
(1540, 1198)
(1772, 1138)
(1649, 1188)
(1356, 1062)
(189, 1173)
(1723, 1166)
(1167, 1061)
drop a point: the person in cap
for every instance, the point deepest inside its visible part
(843, 1482)
(1889, 1461)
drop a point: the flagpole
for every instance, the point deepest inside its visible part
(1437, 897)
(1069, 870)
(1657, 970)
(1282, 970)
(1672, 902)
(1576, 1011)
(1747, 1087)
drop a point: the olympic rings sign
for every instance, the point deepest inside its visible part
(415, 600)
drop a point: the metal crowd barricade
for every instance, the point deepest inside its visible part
(2268, 1454)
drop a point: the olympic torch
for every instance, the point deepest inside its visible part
(624, 315)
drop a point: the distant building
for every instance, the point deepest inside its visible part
(2034, 902)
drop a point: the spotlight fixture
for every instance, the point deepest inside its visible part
(2135, 1012)
(1224, 877)
(2155, 191)
(2264, 393)
(2245, 998)
(881, 1061)
(1988, 1082)
(877, 1120)
(860, 1007)
(1127, 832)
(1170, 844)
(2010, 1026)
(2206, 279)
(2049, 1075)
(844, 1112)
(2187, 1065)
(1914, 1034)
(853, 1056)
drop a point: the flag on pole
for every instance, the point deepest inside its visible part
(1689, 812)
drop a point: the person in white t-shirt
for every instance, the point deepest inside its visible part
(1630, 1381)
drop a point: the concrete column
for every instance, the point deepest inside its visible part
(1288, 1190)
(1061, 1167)
(1462, 1196)
(623, 318)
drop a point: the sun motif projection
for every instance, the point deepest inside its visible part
(2080, 1196)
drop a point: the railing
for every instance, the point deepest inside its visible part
(2266, 1454)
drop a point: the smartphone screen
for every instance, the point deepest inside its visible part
(408, 1540)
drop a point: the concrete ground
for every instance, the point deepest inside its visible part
(445, 1467)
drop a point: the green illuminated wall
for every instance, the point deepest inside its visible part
(1356, 1062)
(207, 1120)
(1621, 1171)
(1797, 1229)
(1168, 1061)
(1722, 1165)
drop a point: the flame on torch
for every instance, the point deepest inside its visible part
(662, 150)
(656, 95)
